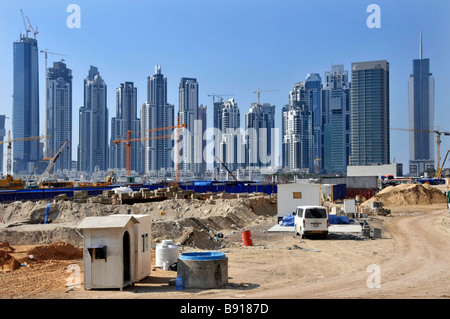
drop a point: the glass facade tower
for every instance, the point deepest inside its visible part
(369, 113)
(25, 121)
(93, 147)
(421, 116)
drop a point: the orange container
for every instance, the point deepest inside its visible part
(247, 238)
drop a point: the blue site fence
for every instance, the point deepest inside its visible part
(199, 187)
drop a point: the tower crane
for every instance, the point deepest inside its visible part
(259, 94)
(129, 140)
(35, 31)
(47, 156)
(10, 141)
(27, 29)
(220, 96)
(438, 140)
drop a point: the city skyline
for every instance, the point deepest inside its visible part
(366, 44)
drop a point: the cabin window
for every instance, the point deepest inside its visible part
(297, 195)
(97, 252)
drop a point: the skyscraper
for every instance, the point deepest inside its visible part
(94, 122)
(157, 113)
(294, 148)
(2, 135)
(125, 120)
(336, 120)
(313, 99)
(203, 118)
(192, 136)
(259, 125)
(59, 114)
(25, 122)
(369, 113)
(301, 126)
(421, 115)
(232, 148)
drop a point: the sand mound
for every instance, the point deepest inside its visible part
(8, 262)
(58, 250)
(4, 246)
(408, 195)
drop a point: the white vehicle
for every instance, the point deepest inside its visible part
(311, 221)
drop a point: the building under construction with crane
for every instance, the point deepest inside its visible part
(25, 119)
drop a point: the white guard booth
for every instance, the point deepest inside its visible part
(113, 248)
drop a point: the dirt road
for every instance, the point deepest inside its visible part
(412, 261)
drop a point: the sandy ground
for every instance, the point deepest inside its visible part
(412, 260)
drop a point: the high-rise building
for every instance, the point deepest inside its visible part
(203, 118)
(300, 131)
(259, 128)
(94, 122)
(2, 135)
(217, 123)
(421, 115)
(125, 121)
(25, 121)
(156, 113)
(336, 120)
(369, 113)
(59, 114)
(293, 146)
(313, 84)
(192, 136)
(232, 148)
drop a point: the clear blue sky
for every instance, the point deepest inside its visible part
(234, 47)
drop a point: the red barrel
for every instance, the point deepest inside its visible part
(247, 238)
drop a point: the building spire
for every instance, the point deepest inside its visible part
(421, 46)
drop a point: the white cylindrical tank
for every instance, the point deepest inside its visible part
(166, 251)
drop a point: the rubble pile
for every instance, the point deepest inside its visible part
(174, 214)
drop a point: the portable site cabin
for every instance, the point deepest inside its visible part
(291, 195)
(116, 250)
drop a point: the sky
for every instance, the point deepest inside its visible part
(233, 47)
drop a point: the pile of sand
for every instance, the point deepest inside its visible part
(408, 195)
(58, 250)
(4, 246)
(8, 262)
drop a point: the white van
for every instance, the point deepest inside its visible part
(311, 221)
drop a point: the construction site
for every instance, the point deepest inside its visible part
(402, 229)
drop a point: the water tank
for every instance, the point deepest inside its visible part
(166, 251)
(203, 270)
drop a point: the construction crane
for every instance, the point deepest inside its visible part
(27, 28)
(439, 171)
(52, 162)
(259, 94)
(47, 156)
(232, 175)
(438, 139)
(10, 141)
(129, 140)
(219, 96)
(35, 31)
